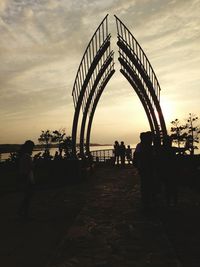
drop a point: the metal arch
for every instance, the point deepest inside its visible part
(88, 76)
(97, 68)
(105, 66)
(138, 63)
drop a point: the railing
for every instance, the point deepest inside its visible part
(106, 154)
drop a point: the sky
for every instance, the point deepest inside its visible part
(42, 43)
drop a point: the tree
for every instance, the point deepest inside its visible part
(58, 136)
(178, 133)
(193, 131)
(46, 139)
(67, 146)
(186, 135)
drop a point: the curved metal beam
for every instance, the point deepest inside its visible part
(142, 100)
(141, 89)
(127, 37)
(96, 100)
(104, 67)
(147, 82)
(95, 62)
(140, 69)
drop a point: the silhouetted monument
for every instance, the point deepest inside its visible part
(96, 69)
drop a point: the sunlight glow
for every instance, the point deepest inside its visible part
(168, 110)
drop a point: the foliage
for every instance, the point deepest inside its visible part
(178, 133)
(46, 139)
(193, 132)
(186, 134)
(58, 136)
(66, 145)
(13, 157)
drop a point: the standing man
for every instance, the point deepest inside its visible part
(26, 177)
(144, 158)
(116, 152)
(122, 153)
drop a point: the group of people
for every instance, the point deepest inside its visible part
(121, 153)
(157, 168)
(156, 165)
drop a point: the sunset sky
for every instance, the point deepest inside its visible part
(42, 43)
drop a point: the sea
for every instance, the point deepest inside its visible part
(5, 156)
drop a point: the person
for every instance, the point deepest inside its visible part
(26, 177)
(122, 153)
(169, 172)
(128, 154)
(116, 152)
(144, 158)
(136, 154)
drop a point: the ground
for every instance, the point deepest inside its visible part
(99, 223)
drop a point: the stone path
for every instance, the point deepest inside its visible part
(111, 231)
(99, 223)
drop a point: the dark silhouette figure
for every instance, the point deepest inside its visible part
(26, 178)
(122, 153)
(116, 153)
(136, 154)
(128, 154)
(144, 159)
(169, 172)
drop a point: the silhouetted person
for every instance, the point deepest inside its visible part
(26, 177)
(136, 154)
(145, 164)
(122, 153)
(116, 153)
(169, 172)
(128, 154)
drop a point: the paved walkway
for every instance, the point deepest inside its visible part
(111, 231)
(98, 224)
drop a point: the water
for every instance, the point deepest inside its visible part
(5, 156)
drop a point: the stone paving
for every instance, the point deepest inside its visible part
(99, 223)
(111, 230)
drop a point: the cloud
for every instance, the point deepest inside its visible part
(3, 5)
(42, 43)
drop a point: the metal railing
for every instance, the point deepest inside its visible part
(106, 154)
